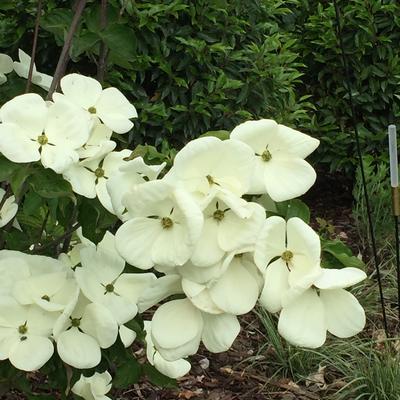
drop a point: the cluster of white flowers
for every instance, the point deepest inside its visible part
(212, 248)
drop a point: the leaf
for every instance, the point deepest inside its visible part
(342, 254)
(294, 208)
(223, 135)
(127, 373)
(7, 168)
(58, 23)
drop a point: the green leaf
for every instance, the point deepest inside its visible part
(342, 254)
(223, 135)
(46, 183)
(58, 23)
(127, 373)
(294, 208)
(7, 168)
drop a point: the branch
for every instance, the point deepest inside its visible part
(33, 54)
(64, 56)
(102, 64)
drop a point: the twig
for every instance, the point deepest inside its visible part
(64, 56)
(33, 54)
(101, 67)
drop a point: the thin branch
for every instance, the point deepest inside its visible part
(64, 56)
(35, 38)
(102, 64)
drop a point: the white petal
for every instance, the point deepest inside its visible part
(58, 158)
(271, 242)
(127, 335)
(287, 177)
(219, 332)
(81, 90)
(6, 64)
(82, 180)
(99, 323)
(162, 288)
(32, 353)
(135, 239)
(133, 286)
(28, 111)
(236, 291)
(78, 349)
(16, 145)
(339, 278)
(302, 322)
(114, 110)
(199, 295)
(174, 325)
(276, 284)
(344, 315)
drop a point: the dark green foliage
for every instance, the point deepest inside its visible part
(371, 38)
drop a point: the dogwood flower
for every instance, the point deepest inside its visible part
(173, 369)
(6, 66)
(209, 166)
(31, 131)
(165, 225)
(99, 134)
(110, 105)
(102, 280)
(279, 152)
(94, 387)
(8, 209)
(288, 254)
(24, 335)
(22, 66)
(308, 314)
(81, 330)
(130, 173)
(178, 327)
(225, 231)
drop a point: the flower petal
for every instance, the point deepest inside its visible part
(339, 278)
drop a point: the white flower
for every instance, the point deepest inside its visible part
(208, 166)
(31, 131)
(307, 315)
(173, 369)
(24, 335)
(8, 210)
(279, 166)
(22, 70)
(165, 225)
(89, 177)
(81, 330)
(94, 387)
(178, 327)
(110, 105)
(225, 231)
(129, 174)
(289, 256)
(6, 66)
(102, 280)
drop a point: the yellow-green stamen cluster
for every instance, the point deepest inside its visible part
(99, 172)
(166, 223)
(42, 139)
(287, 256)
(219, 215)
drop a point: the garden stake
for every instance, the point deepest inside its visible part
(394, 183)
(360, 160)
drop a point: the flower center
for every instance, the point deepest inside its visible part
(166, 223)
(22, 329)
(266, 155)
(219, 215)
(92, 110)
(99, 172)
(42, 139)
(287, 256)
(75, 322)
(45, 297)
(109, 288)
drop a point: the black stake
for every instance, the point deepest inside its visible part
(360, 160)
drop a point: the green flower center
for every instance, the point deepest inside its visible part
(166, 222)
(99, 172)
(266, 155)
(109, 288)
(42, 139)
(92, 110)
(219, 215)
(287, 256)
(75, 322)
(45, 297)
(22, 329)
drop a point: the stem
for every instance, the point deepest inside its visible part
(101, 67)
(33, 54)
(64, 56)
